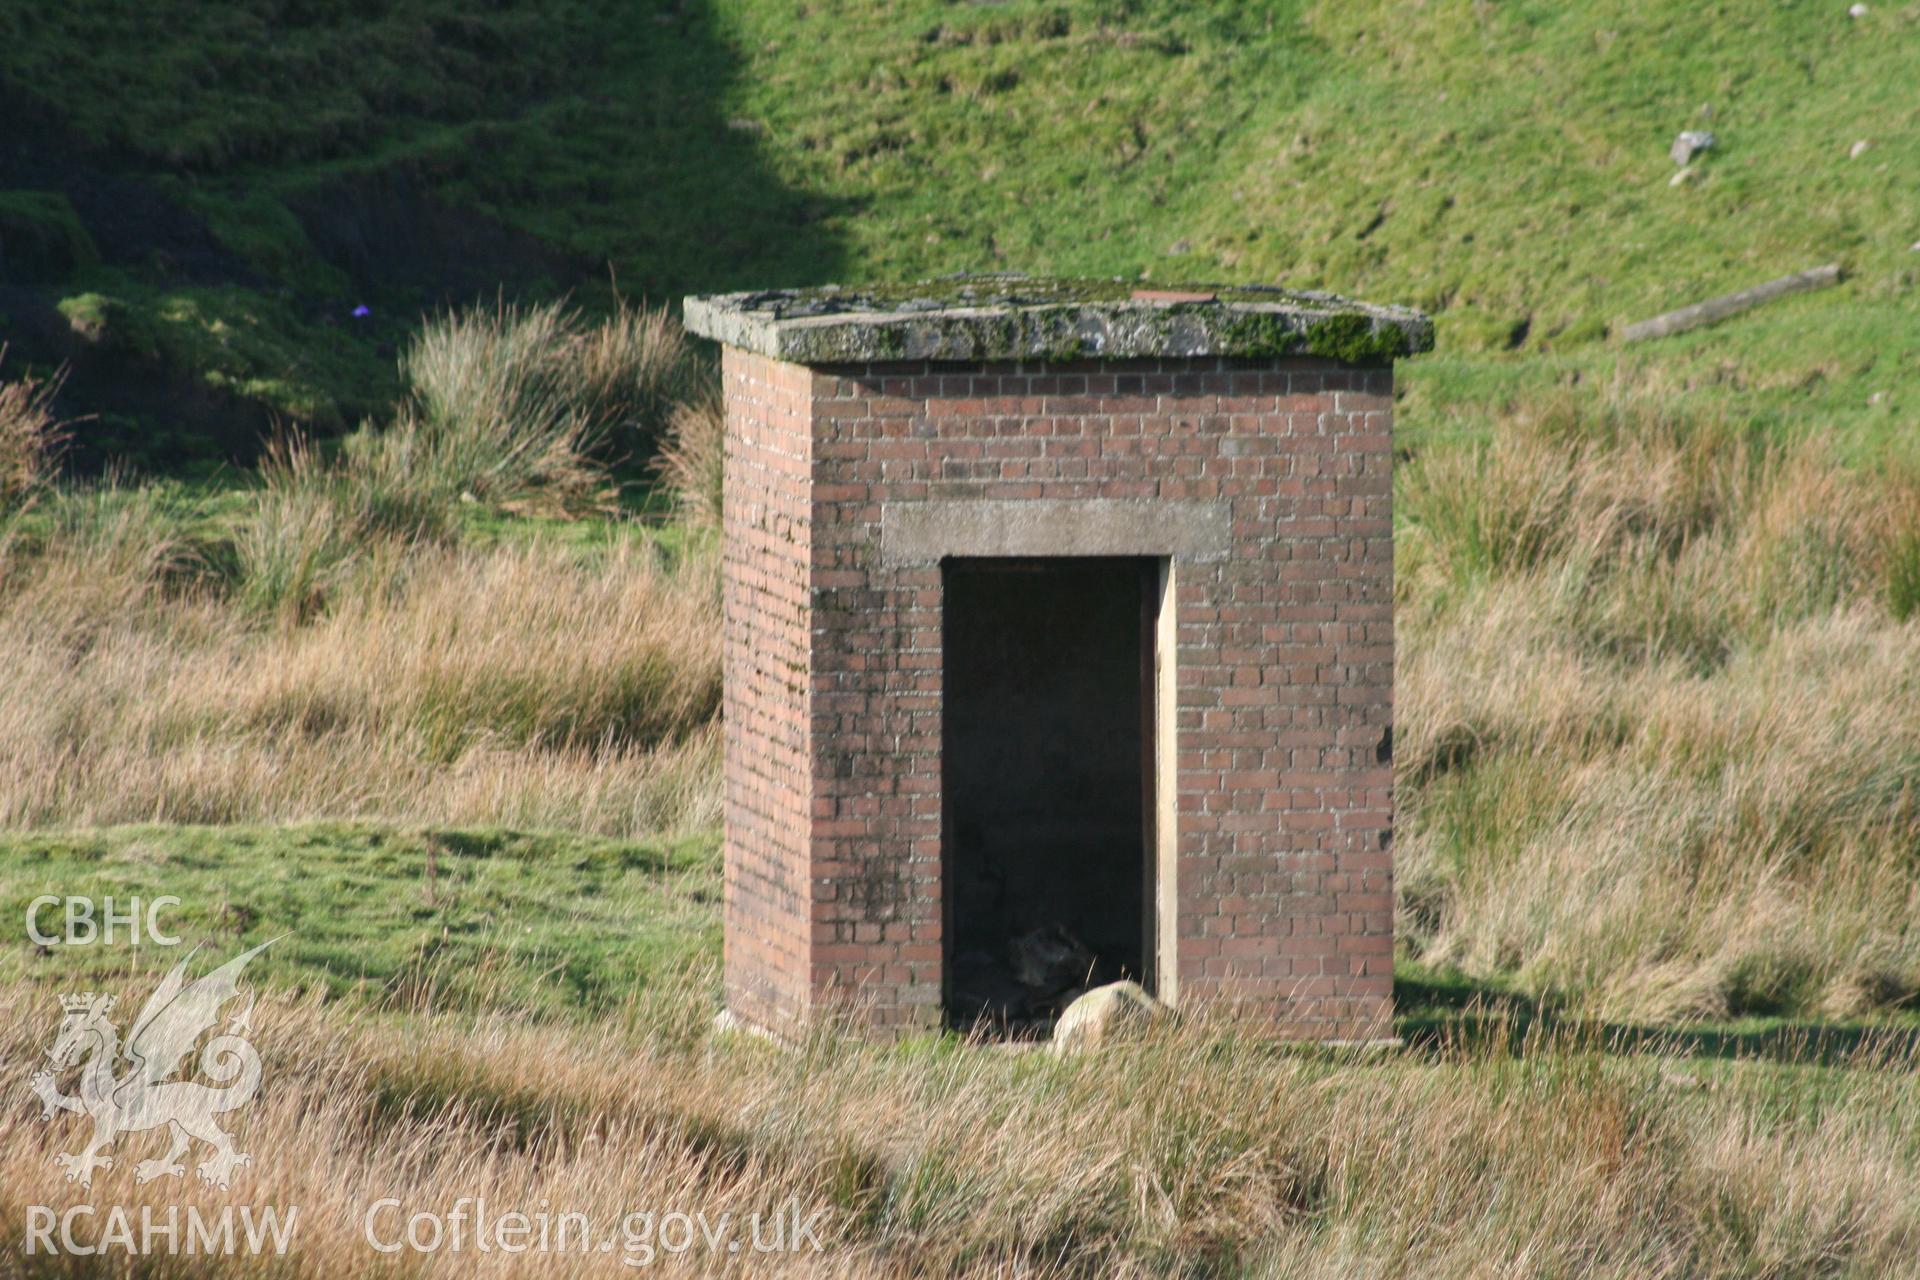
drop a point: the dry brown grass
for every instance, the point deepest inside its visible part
(1658, 741)
(1659, 728)
(333, 650)
(527, 685)
(1197, 1151)
(692, 459)
(30, 435)
(630, 372)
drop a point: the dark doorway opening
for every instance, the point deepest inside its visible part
(1047, 778)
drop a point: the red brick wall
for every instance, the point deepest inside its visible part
(1285, 668)
(768, 612)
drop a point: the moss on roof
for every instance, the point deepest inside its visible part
(1000, 317)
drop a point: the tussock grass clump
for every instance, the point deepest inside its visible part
(693, 459)
(629, 373)
(1673, 535)
(520, 409)
(508, 648)
(313, 519)
(1903, 576)
(30, 434)
(491, 416)
(300, 534)
(1659, 747)
(91, 557)
(515, 405)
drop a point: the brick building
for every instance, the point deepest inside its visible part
(1059, 623)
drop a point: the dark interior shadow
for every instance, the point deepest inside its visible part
(1444, 1017)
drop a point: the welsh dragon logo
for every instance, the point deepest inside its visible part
(141, 1097)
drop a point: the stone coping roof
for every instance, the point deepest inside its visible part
(1009, 317)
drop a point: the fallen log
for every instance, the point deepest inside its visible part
(1715, 309)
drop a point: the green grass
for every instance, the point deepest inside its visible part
(553, 924)
(567, 926)
(246, 83)
(44, 236)
(237, 341)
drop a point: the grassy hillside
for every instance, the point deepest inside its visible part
(1502, 165)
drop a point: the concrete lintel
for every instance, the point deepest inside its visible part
(927, 532)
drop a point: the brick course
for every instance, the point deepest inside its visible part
(1284, 661)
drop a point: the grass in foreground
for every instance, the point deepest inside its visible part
(1199, 1151)
(1648, 772)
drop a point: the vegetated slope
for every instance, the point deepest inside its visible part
(1503, 165)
